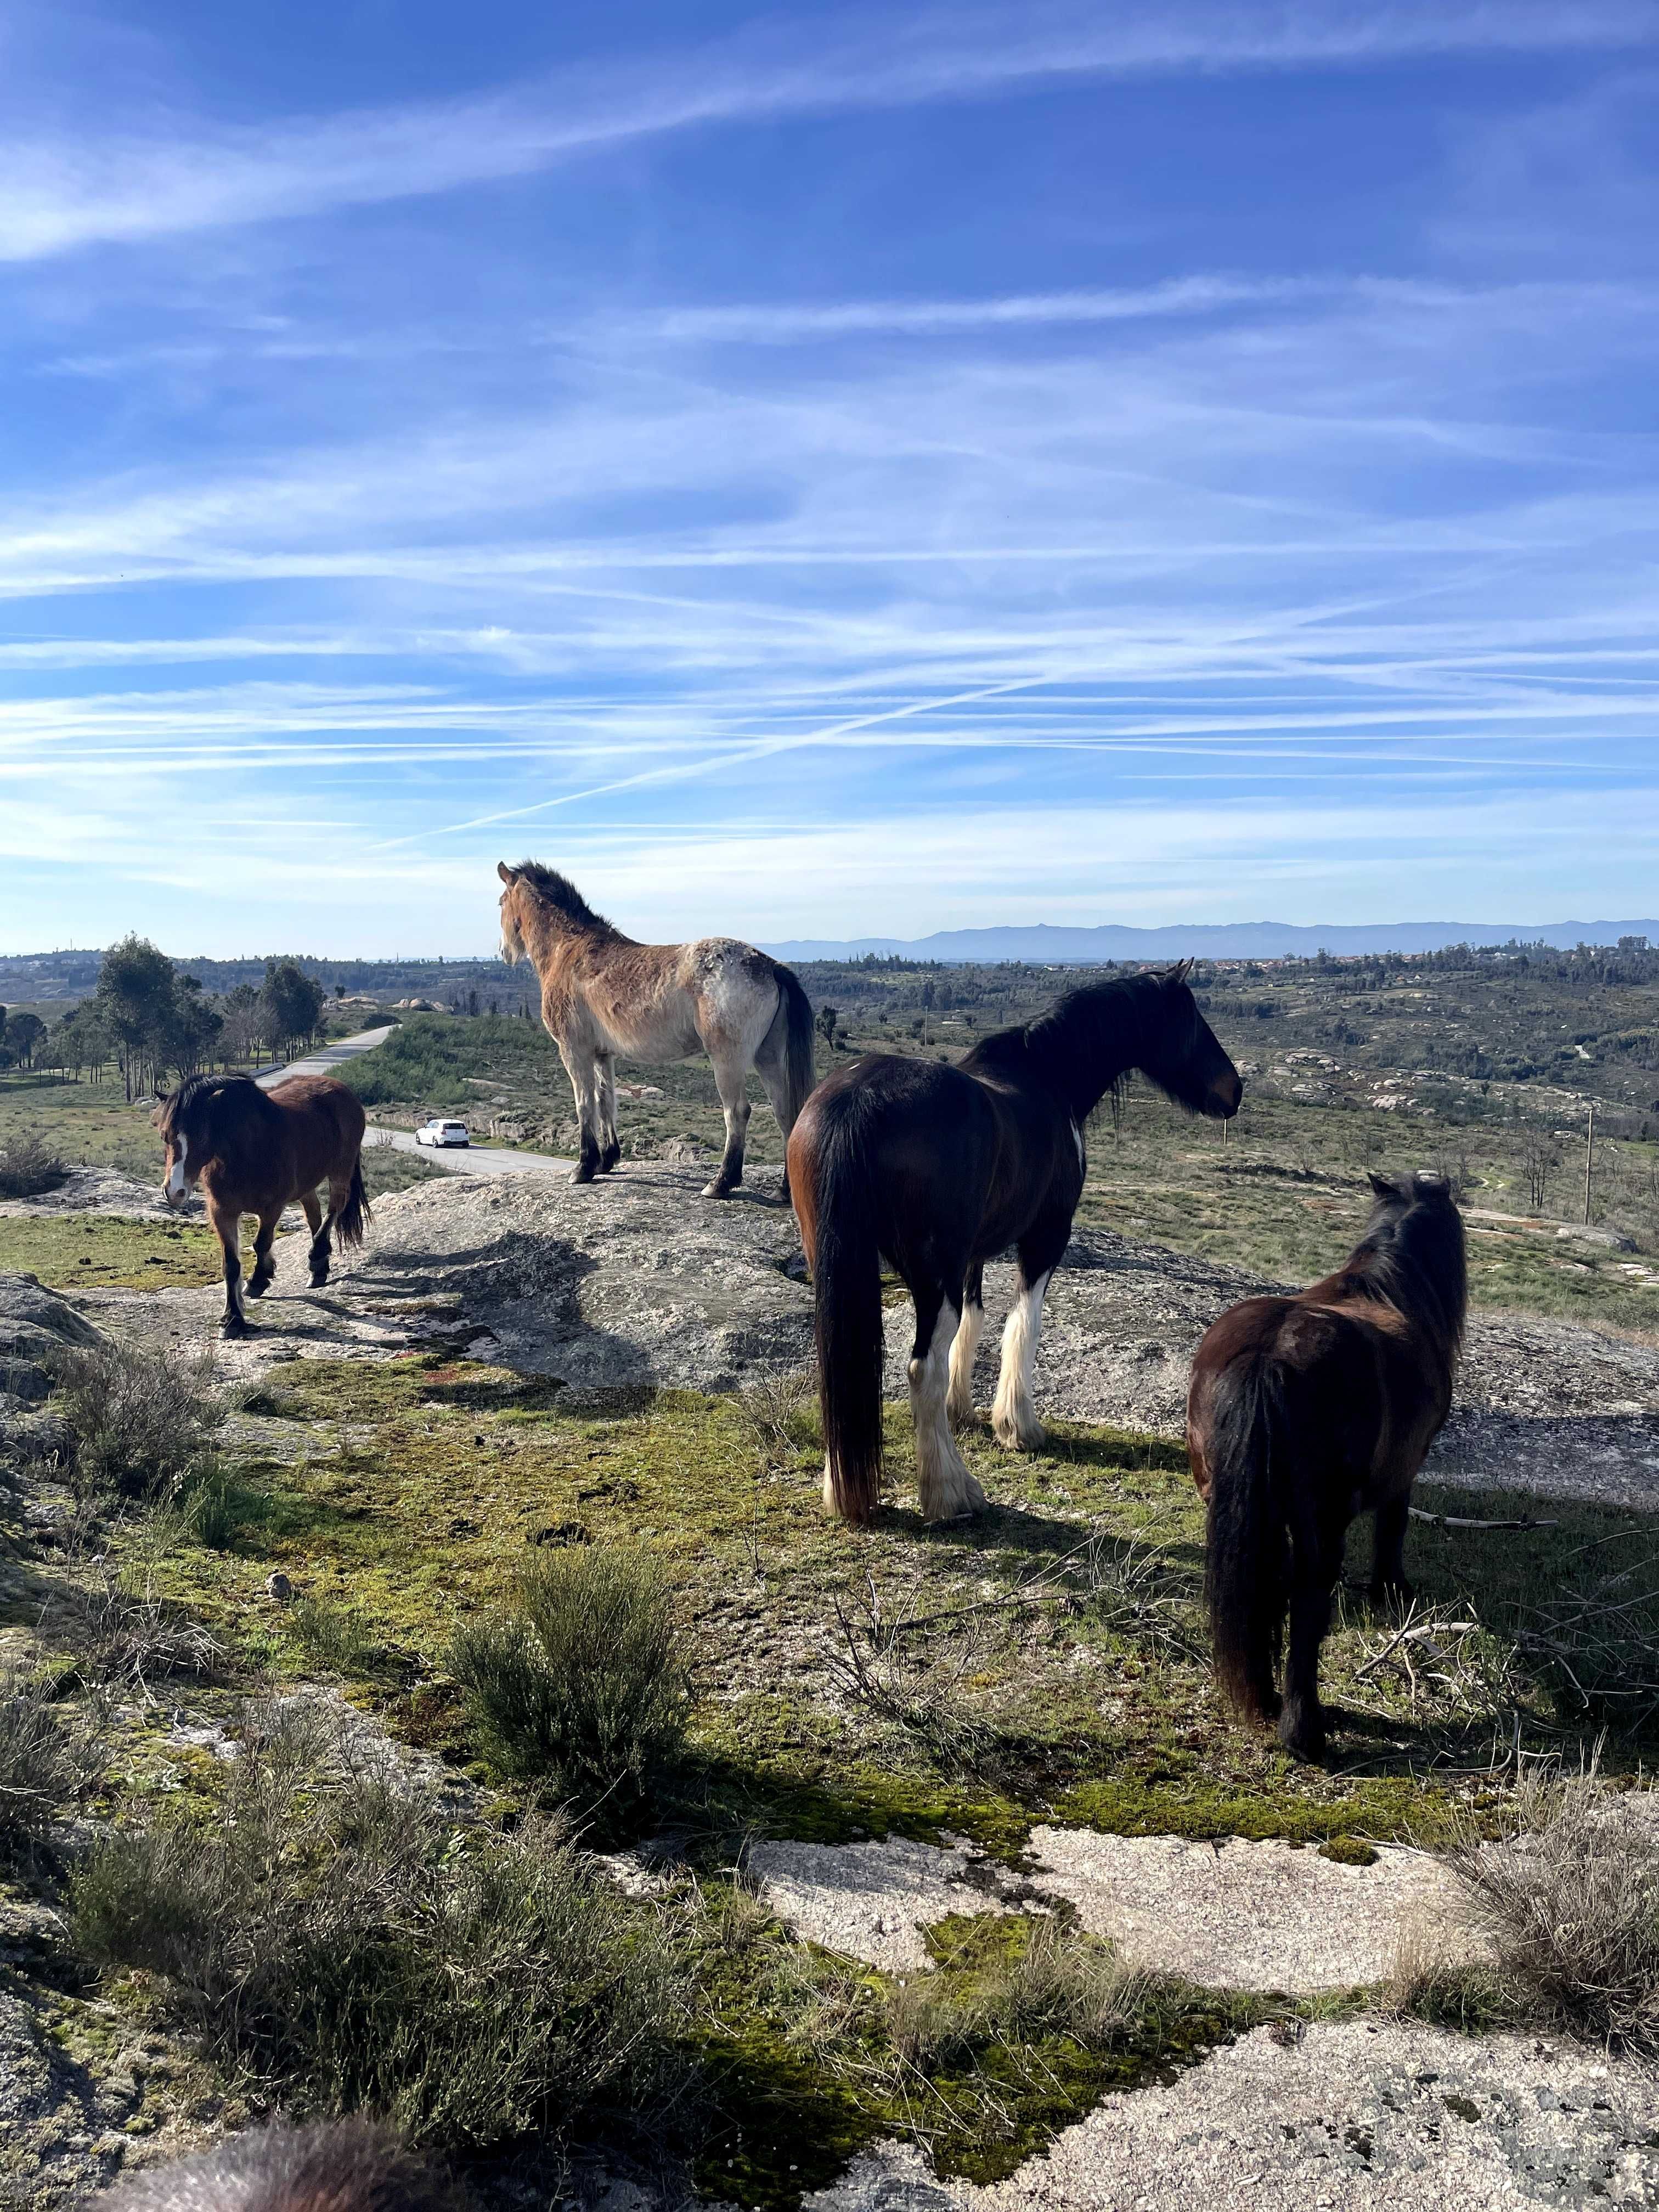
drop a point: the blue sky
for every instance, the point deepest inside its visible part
(825, 472)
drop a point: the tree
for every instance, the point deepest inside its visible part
(291, 1003)
(243, 1024)
(828, 1017)
(135, 995)
(1540, 1158)
(23, 1035)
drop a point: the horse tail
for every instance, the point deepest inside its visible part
(846, 1298)
(348, 1223)
(795, 1014)
(1246, 1579)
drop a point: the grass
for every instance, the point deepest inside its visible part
(331, 1932)
(140, 1420)
(437, 1483)
(579, 1689)
(1570, 1905)
(47, 1763)
(77, 1251)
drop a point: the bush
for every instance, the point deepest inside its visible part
(45, 1766)
(119, 1632)
(140, 1422)
(333, 1635)
(580, 1688)
(29, 1166)
(333, 1932)
(1052, 1983)
(1570, 1908)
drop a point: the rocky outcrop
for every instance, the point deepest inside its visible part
(638, 1279)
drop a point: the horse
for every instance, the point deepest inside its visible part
(1304, 1411)
(933, 1169)
(256, 1152)
(342, 2165)
(603, 993)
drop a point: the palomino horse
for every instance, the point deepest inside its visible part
(256, 1152)
(1306, 1411)
(603, 994)
(935, 1169)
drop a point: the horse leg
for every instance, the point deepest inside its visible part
(772, 1067)
(610, 1142)
(959, 1399)
(1302, 1718)
(1012, 1417)
(226, 1227)
(584, 1082)
(947, 1491)
(730, 1075)
(265, 1267)
(322, 1234)
(1388, 1584)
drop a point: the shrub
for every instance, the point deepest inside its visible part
(333, 1932)
(139, 1421)
(119, 1632)
(1570, 1907)
(333, 1635)
(29, 1166)
(580, 1688)
(45, 1766)
(1051, 1983)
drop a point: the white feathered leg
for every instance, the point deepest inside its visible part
(1013, 1417)
(947, 1490)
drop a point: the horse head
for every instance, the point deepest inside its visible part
(1183, 1054)
(513, 948)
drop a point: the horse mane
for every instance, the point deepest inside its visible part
(558, 891)
(1408, 1261)
(1068, 1036)
(183, 1106)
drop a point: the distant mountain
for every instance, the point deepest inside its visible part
(1043, 944)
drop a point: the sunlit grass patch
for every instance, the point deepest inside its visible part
(80, 1251)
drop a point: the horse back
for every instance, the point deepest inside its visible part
(323, 1123)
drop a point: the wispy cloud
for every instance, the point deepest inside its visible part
(170, 174)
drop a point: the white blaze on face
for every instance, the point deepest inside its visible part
(174, 1186)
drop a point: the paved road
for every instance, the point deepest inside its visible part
(473, 1159)
(327, 1058)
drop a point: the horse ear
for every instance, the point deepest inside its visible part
(1384, 1186)
(1179, 973)
(505, 872)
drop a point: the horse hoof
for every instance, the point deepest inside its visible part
(320, 1282)
(257, 1288)
(719, 1189)
(234, 1326)
(1017, 1436)
(609, 1157)
(584, 1171)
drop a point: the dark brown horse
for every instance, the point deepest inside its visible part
(1306, 1411)
(934, 1170)
(257, 1151)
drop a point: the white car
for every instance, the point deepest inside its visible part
(437, 1131)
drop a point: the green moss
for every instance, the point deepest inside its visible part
(1348, 1851)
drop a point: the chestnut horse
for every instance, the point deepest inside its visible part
(256, 1152)
(603, 994)
(1306, 1411)
(935, 1169)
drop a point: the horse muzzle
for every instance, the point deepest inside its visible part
(1226, 1096)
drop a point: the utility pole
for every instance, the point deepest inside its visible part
(1589, 1158)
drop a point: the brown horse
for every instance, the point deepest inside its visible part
(603, 994)
(935, 1169)
(1306, 1411)
(256, 1152)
